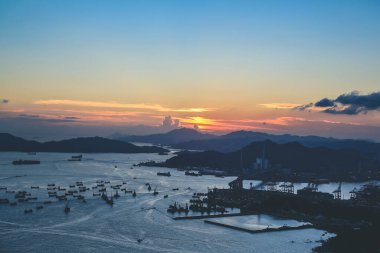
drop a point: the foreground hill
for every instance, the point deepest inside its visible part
(290, 157)
(170, 138)
(9, 142)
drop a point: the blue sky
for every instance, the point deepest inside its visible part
(232, 56)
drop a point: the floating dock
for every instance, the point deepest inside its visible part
(266, 230)
(208, 216)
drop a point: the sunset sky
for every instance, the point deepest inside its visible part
(85, 67)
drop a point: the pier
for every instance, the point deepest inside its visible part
(266, 230)
(208, 216)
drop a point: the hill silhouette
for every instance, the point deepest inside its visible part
(292, 156)
(170, 138)
(9, 142)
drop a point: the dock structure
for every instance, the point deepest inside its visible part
(266, 230)
(208, 216)
(338, 192)
(353, 193)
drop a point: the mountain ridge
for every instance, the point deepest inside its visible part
(10, 142)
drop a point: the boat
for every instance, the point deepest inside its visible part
(4, 201)
(25, 162)
(149, 188)
(75, 158)
(193, 173)
(166, 174)
(175, 189)
(34, 187)
(134, 193)
(47, 202)
(39, 207)
(155, 192)
(166, 196)
(67, 209)
(28, 210)
(116, 195)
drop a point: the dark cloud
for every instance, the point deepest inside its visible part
(303, 107)
(325, 103)
(350, 104)
(24, 115)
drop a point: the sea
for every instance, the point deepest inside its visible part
(132, 224)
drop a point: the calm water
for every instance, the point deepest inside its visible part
(95, 226)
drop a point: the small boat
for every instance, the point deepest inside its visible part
(67, 209)
(3, 188)
(134, 193)
(4, 201)
(116, 195)
(50, 185)
(175, 189)
(28, 210)
(47, 202)
(34, 187)
(166, 196)
(166, 174)
(193, 173)
(39, 207)
(75, 158)
(149, 188)
(155, 192)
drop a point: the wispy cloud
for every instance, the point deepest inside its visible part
(141, 106)
(280, 105)
(351, 103)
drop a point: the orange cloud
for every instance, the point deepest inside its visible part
(152, 107)
(279, 105)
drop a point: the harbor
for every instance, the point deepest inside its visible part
(130, 219)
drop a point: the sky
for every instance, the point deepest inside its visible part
(86, 67)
